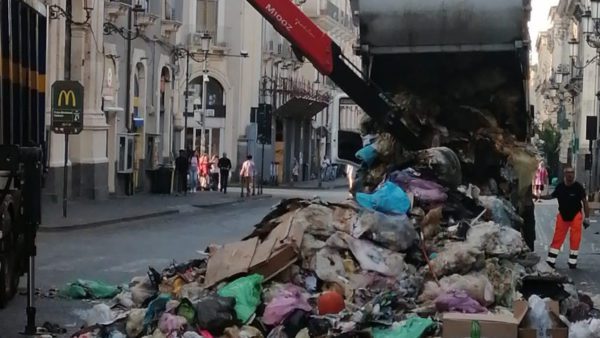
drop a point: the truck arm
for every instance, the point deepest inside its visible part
(308, 39)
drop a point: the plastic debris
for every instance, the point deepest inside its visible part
(287, 300)
(389, 199)
(247, 292)
(81, 289)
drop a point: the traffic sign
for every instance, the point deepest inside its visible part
(67, 107)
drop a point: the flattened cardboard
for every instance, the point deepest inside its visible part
(458, 325)
(558, 330)
(230, 260)
(271, 256)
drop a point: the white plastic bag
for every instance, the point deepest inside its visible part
(539, 316)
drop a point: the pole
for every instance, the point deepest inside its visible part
(262, 167)
(204, 102)
(128, 114)
(65, 175)
(187, 94)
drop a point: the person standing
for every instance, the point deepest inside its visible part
(214, 173)
(571, 198)
(350, 174)
(540, 181)
(224, 168)
(181, 168)
(246, 174)
(204, 171)
(193, 165)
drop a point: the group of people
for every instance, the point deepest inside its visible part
(197, 172)
(572, 217)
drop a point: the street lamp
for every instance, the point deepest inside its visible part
(205, 49)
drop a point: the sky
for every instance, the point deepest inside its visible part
(539, 21)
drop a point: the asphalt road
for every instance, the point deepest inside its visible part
(116, 253)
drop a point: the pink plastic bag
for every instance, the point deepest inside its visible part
(284, 303)
(169, 323)
(459, 301)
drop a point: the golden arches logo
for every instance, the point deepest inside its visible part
(68, 96)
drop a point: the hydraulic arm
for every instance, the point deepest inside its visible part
(314, 44)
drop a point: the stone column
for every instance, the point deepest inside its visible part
(88, 150)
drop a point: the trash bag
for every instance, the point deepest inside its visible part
(585, 329)
(367, 155)
(413, 327)
(496, 240)
(539, 316)
(98, 314)
(186, 310)
(458, 301)
(246, 291)
(215, 314)
(394, 232)
(329, 265)
(85, 289)
(135, 322)
(477, 286)
(155, 308)
(169, 323)
(290, 298)
(389, 199)
(457, 257)
(425, 192)
(440, 164)
(503, 212)
(374, 258)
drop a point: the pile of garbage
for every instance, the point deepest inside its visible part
(388, 263)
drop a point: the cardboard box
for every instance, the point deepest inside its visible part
(458, 325)
(558, 330)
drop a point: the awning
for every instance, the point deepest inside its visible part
(300, 108)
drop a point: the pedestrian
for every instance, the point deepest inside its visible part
(214, 173)
(193, 172)
(540, 181)
(204, 171)
(182, 168)
(224, 168)
(295, 170)
(571, 198)
(246, 174)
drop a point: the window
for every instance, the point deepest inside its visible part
(169, 9)
(206, 16)
(125, 164)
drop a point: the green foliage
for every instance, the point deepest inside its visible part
(550, 135)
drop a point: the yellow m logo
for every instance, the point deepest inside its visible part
(68, 96)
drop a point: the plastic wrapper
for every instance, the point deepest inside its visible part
(389, 199)
(367, 155)
(246, 291)
(425, 192)
(477, 286)
(81, 289)
(411, 328)
(288, 299)
(394, 232)
(373, 258)
(135, 322)
(503, 212)
(458, 301)
(171, 323)
(98, 314)
(585, 329)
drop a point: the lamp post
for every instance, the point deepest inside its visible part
(205, 49)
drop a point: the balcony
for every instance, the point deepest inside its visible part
(145, 19)
(331, 18)
(169, 27)
(113, 10)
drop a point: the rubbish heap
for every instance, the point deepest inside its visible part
(389, 263)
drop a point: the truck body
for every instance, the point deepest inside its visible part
(433, 73)
(23, 25)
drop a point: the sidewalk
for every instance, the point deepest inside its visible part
(87, 214)
(339, 183)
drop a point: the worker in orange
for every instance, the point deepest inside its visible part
(571, 198)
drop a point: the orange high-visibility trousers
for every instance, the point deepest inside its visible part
(560, 233)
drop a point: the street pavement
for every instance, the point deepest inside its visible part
(115, 253)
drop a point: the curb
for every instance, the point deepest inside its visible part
(92, 225)
(280, 187)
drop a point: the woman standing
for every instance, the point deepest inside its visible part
(540, 181)
(204, 171)
(194, 172)
(214, 173)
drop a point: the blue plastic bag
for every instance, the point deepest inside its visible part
(389, 199)
(367, 155)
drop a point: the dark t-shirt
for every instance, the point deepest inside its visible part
(569, 199)
(181, 163)
(224, 164)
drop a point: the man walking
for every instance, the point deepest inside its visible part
(571, 197)
(224, 168)
(181, 168)
(246, 174)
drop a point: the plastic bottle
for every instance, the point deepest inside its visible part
(475, 329)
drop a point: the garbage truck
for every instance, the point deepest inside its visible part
(22, 135)
(433, 73)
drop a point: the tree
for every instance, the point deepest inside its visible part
(550, 146)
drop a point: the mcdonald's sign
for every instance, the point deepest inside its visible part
(67, 107)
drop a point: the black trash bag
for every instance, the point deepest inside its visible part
(439, 164)
(215, 314)
(318, 327)
(295, 322)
